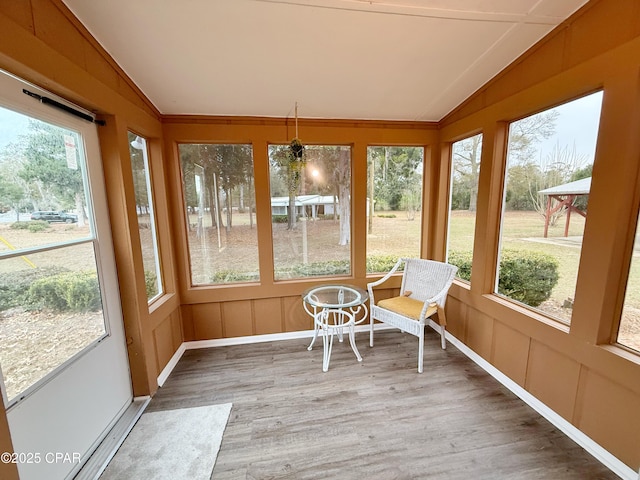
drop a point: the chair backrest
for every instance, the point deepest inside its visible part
(426, 278)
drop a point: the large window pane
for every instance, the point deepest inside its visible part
(310, 211)
(146, 216)
(548, 177)
(629, 329)
(50, 309)
(219, 201)
(465, 171)
(394, 192)
(50, 299)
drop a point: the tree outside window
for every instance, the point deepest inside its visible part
(311, 211)
(219, 196)
(547, 180)
(394, 201)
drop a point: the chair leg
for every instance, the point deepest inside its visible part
(420, 349)
(442, 320)
(371, 322)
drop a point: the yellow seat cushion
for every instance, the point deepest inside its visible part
(406, 306)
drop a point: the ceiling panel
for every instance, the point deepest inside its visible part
(391, 59)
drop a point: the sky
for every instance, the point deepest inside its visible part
(577, 124)
(11, 125)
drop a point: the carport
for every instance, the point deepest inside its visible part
(565, 195)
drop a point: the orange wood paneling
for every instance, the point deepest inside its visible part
(296, 318)
(479, 332)
(18, 12)
(553, 378)
(456, 317)
(163, 340)
(237, 318)
(609, 414)
(510, 352)
(268, 316)
(207, 321)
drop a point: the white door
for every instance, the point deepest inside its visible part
(63, 356)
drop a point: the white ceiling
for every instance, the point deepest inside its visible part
(353, 59)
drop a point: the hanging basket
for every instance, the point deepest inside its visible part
(296, 149)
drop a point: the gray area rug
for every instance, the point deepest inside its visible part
(171, 444)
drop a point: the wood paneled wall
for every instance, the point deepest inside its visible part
(43, 43)
(575, 371)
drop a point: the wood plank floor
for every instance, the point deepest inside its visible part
(379, 419)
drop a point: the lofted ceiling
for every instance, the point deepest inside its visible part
(340, 59)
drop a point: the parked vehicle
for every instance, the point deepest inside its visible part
(51, 216)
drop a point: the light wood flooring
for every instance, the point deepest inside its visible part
(378, 419)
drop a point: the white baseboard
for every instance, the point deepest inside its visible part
(597, 451)
(166, 371)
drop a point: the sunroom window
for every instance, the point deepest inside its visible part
(546, 192)
(219, 202)
(146, 215)
(311, 211)
(465, 171)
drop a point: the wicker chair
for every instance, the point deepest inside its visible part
(423, 292)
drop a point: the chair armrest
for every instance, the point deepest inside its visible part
(383, 279)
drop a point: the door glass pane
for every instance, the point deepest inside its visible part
(311, 211)
(50, 310)
(394, 201)
(465, 172)
(547, 182)
(50, 301)
(219, 198)
(146, 217)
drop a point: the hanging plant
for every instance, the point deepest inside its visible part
(296, 150)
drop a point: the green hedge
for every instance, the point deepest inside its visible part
(14, 286)
(527, 277)
(34, 226)
(69, 291)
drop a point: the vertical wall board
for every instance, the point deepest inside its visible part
(186, 314)
(207, 321)
(163, 341)
(295, 317)
(456, 317)
(237, 318)
(609, 414)
(479, 332)
(54, 29)
(592, 34)
(510, 351)
(267, 314)
(553, 378)
(177, 336)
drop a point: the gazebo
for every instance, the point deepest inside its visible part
(565, 195)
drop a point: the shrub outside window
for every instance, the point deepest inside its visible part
(465, 172)
(394, 201)
(147, 229)
(548, 176)
(219, 201)
(311, 211)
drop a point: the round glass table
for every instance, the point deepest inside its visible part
(334, 308)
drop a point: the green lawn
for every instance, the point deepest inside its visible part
(524, 231)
